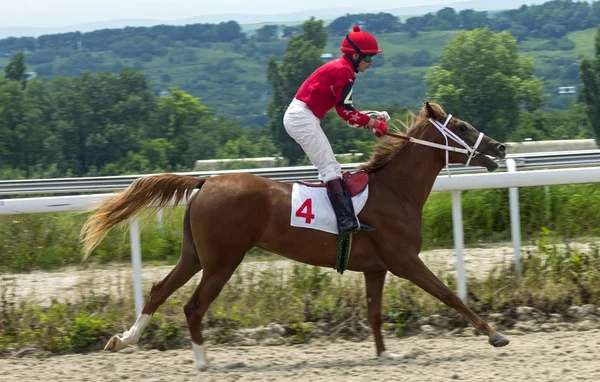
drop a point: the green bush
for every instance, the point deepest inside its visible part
(301, 332)
(86, 331)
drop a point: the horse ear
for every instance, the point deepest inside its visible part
(430, 110)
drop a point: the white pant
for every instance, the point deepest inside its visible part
(302, 125)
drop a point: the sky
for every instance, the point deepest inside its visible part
(59, 13)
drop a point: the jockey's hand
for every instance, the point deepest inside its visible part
(383, 116)
(377, 126)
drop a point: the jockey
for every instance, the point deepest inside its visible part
(327, 87)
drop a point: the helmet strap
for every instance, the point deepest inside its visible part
(354, 62)
(357, 50)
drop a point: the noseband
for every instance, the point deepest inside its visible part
(468, 150)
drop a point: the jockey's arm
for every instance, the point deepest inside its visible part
(344, 105)
(346, 110)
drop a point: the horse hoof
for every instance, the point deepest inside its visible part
(498, 340)
(114, 344)
(387, 356)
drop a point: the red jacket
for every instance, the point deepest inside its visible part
(329, 86)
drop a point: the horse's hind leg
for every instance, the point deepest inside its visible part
(374, 284)
(187, 266)
(214, 278)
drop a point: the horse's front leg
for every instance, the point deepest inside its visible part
(412, 268)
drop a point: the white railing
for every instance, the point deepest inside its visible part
(455, 184)
(525, 161)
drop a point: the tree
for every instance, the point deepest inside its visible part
(302, 57)
(481, 78)
(267, 33)
(178, 115)
(99, 118)
(11, 121)
(15, 70)
(373, 22)
(35, 134)
(238, 148)
(447, 19)
(229, 31)
(556, 124)
(471, 19)
(289, 31)
(590, 77)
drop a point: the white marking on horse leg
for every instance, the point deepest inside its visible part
(387, 356)
(131, 336)
(138, 328)
(200, 353)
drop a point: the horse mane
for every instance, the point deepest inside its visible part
(388, 147)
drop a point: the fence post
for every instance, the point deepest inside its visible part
(159, 218)
(136, 263)
(515, 219)
(457, 228)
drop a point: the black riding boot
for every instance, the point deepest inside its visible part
(342, 205)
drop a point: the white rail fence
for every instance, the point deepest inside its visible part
(455, 184)
(525, 161)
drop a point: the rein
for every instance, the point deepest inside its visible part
(443, 129)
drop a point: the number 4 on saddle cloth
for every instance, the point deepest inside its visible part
(311, 208)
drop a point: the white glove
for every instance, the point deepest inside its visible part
(384, 115)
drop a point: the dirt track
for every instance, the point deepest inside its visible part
(557, 356)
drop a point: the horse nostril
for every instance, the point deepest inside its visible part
(501, 148)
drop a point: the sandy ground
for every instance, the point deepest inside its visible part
(69, 282)
(557, 356)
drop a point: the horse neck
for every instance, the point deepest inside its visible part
(413, 170)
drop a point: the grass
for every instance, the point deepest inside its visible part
(584, 42)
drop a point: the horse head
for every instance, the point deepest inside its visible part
(480, 149)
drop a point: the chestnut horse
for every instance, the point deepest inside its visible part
(255, 211)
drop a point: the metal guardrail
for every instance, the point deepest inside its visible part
(526, 161)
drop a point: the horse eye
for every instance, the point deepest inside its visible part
(462, 127)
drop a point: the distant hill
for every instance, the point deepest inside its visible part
(89, 27)
(478, 5)
(241, 18)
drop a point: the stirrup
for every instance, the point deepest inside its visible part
(365, 228)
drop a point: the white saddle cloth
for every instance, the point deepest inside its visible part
(311, 207)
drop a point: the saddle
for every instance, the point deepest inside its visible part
(356, 182)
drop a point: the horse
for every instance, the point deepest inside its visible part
(256, 212)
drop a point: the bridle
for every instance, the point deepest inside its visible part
(471, 152)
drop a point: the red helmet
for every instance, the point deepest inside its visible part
(359, 42)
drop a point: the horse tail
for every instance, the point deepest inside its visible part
(154, 191)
